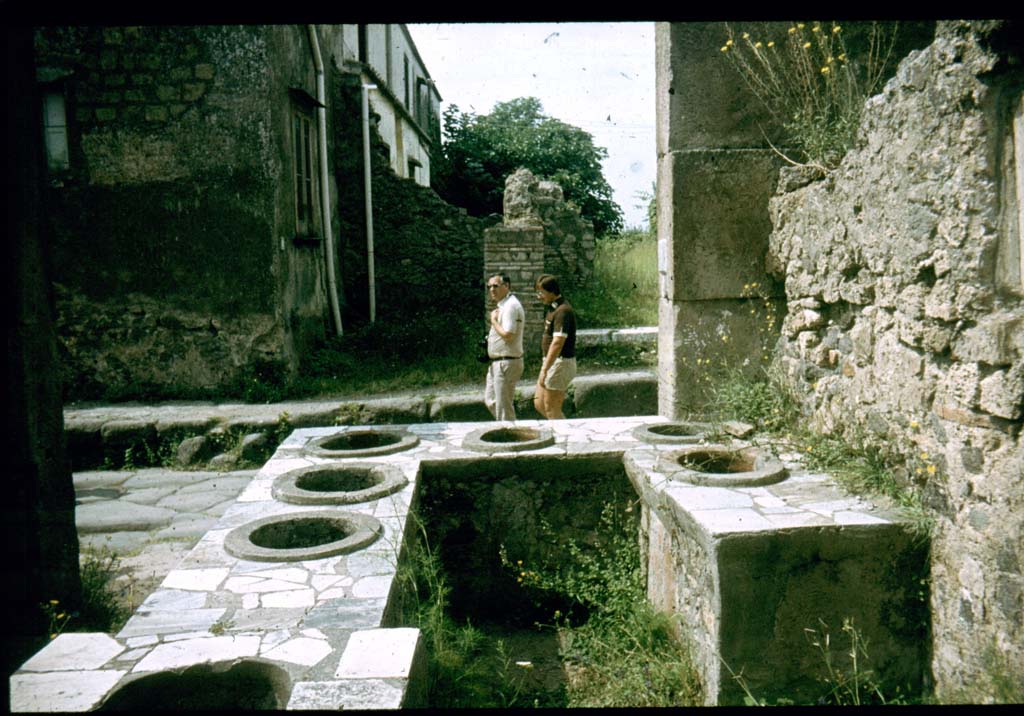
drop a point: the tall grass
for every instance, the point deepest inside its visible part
(809, 81)
(624, 288)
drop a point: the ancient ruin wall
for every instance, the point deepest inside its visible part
(905, 324)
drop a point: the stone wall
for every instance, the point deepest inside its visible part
(568, 239)
(905, 324)
(427, 253)
(172, 228)
(540, 233)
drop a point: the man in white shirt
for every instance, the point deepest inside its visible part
(504, 348)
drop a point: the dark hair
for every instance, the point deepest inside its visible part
(504, 278)
(549, 283)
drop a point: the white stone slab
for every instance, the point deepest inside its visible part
(61, 690)
(174, 599)
(285, 600)
(725, 521)
(288, 574)
(198, 580)
(707, 498)
(857, 518)
(358, 694)
(797, 519)
(137, 641)
(321, 582)
(170, 622)
(74, 651)
(198, 651)
(250, 585)
(133, 655)
(369, 587)
(379, 654)
(303, 650)
(273, 638)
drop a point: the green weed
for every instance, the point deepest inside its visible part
(618, 650)
(101, 609)
(811, 83)
(623, 290)
(466, 667)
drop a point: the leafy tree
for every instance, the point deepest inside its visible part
(480, 151)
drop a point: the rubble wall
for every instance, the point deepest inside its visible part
(905, 325)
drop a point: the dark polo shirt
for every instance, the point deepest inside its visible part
(560, 318)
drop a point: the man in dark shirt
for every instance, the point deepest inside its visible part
(558, 347)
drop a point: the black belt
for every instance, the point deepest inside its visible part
(505, 358)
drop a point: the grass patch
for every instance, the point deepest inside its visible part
(623, 290)
(617, 650)
(858, 464)
(467, 667)
(102, 608)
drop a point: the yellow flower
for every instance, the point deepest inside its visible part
(800, 25)
(792, 30)
(519, 562)
(54, 601)
(757, 44)
(725, 339)
(725, 49)
(914, 423)
(919, 471)
(806, 45)
(924, 456)
(830, 59)
(815, 28)
(842, 57)
(746, 35)
(771, 44)
(824, 70)
(931, 469)
(61, 615)
(836, 28)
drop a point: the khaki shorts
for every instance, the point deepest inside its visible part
(560, 374)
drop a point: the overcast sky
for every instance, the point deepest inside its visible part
(595, 76)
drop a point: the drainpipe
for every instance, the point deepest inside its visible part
(368, 193)
(325, 194)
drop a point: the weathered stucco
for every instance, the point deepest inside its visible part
(900, 329)
(178, 206)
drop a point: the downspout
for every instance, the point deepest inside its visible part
(325, 194)
(368, 194)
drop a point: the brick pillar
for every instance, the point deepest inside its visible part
(519, 252)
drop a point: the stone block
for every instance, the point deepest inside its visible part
(195, 450)
(120, 436)
(459, 408)
(614, 395)
(719, 221)
(395, 411)
(256, 447)
(1002, 393)
(702, 101)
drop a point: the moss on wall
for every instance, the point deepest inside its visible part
(196, 246)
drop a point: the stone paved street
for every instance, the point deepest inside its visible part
(149, 518)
